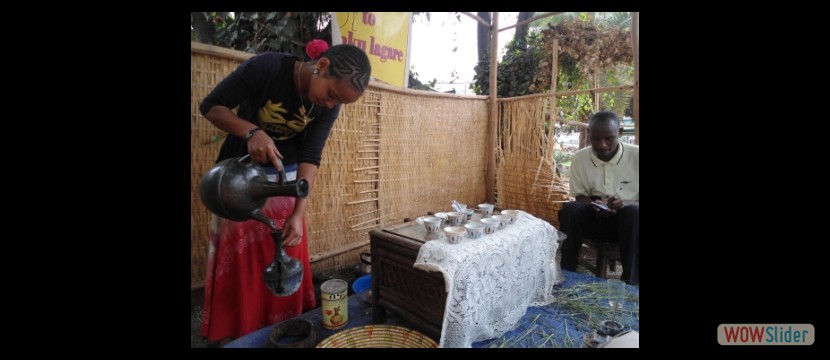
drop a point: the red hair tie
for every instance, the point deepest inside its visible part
(315, 48)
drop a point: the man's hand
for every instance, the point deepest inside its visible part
(615, 202)
(602, 208)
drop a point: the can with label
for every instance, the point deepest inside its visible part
(335, 294)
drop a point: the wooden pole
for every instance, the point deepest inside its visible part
(476, 18)
(571, 92)
(492, 121)
(635, 42)
(597, 105)
(554, 72)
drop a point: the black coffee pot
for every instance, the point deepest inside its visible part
(236, 189)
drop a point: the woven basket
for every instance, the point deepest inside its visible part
(378, 336)
(293, 333)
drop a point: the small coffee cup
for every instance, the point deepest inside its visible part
(513, 214)
(469, 213)
(504, 220)
(454, 234)
(490, 225)
(455, 218)
(474, 230)
(443, 217)
(431, 223)
(486, 209)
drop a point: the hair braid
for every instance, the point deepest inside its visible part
(349, 61)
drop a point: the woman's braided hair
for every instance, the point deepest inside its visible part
(349, 61)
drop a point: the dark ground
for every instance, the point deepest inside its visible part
(349, 275)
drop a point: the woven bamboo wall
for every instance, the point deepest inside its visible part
(392, 156)
(342, 201)
(433, 151)
(206, 70)
(525, 172)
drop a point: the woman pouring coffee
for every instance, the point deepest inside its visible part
(287, 108)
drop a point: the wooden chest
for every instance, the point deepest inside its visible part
(415, 295)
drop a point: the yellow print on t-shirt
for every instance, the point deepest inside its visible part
(272, 120)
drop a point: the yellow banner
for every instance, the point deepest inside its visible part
(384, 36)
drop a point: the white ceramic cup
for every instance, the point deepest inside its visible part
(490, 225)
(486, 209)
(513, 214)
(474, 229)
(431, 223)
(455, 218)
(504, 220)
(454, 234)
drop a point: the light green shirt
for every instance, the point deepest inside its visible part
(591, 176)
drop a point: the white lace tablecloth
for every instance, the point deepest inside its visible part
(492, 280)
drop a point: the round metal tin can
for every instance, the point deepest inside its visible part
(335, 294)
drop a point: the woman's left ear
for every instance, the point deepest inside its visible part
(322, 65)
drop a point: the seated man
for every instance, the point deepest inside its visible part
(605, 180)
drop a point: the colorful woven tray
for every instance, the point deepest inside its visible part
(378, 336)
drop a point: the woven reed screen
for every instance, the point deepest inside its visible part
(205, 72)
(525, 171)
(392, 156)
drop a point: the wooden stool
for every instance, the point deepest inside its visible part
(607, 254)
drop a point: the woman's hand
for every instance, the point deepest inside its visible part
(292, 232)
(261, 148)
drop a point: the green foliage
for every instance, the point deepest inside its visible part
(555, 19)
(257, 32)
(621, 20)
(562, 157)
(617, 101)
(481, 80)
(575, 108)
(516, 69)
(414, 83)
(569, 76)
(527, 70)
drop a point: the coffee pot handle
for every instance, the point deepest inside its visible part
(246, 161)
(282, 172)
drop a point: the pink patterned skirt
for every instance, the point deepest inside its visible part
(237, 301)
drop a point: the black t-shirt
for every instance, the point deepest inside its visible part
(263, 88)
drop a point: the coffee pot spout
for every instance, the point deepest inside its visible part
(261, 188)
